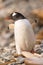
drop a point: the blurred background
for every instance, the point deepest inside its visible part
(33, 11)
(26, 7)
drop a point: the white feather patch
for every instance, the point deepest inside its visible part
(13, 14)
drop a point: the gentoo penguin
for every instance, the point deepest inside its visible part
(24, 35)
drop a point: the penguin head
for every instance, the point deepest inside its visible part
(16, 16)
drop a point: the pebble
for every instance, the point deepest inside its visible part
(36, 47)
(6, 54)
(41, 45)
(19, 61)
(39, 48)
(12, 44)
(12, 63)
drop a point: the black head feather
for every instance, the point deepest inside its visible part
(17, 16)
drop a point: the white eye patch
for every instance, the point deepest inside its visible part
(13, 14)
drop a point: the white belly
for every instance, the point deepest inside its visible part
(24, 36)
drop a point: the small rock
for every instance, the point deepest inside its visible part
(41, 54)
(36, 47)
(41, 45)
(20, 60)
(12, 44)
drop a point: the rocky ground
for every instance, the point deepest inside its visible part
(7, 44)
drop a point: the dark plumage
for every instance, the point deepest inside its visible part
(17, 16)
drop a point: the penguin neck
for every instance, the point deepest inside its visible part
(20, 20)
